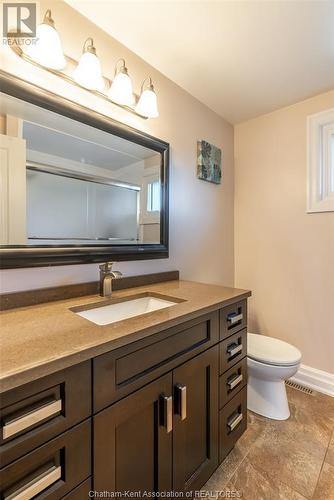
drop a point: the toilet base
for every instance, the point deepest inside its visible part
(268, 398)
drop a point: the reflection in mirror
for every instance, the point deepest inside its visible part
(75, 184)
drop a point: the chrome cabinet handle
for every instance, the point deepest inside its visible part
(36, 485)
(167, 412)
(235, 421)
(234, 349)
(33, 417)
(182, 400)
(235, 381)
(234, 318)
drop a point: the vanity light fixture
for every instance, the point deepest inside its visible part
(47, 50)
(88, 72)
(147, 104)
(47, 53)
(120, 90)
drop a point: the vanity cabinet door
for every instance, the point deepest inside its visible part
(195, 432)
(133, 441)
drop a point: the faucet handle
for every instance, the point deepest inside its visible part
(106, 267)
(117, 274)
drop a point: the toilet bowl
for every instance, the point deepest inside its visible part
(270, 362)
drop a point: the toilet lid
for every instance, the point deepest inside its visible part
(272, 351)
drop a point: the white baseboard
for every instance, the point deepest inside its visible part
(315, 379)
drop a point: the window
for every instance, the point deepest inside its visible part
(320, 143)
(153, 196)
(150, 197)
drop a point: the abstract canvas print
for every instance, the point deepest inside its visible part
(209, 159)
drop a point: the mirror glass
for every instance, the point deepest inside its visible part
(72, 184)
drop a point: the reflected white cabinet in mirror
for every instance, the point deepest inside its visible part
(76, 186)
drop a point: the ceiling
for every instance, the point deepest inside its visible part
(240, 58)
(69, 147)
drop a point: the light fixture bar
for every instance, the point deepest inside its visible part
(19, 52)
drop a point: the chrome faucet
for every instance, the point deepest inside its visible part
(106, 278)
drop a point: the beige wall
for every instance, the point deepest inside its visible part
(283, 254)
(201, 214)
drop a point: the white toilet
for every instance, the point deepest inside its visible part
(270, 362)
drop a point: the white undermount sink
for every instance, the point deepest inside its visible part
(118, 311)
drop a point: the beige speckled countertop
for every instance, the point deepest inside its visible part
(42, 339)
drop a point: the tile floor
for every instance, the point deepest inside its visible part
(282, 460)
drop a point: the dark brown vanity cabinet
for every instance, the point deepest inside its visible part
(163, 436)
(158, 414)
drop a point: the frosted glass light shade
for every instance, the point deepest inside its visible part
(121, 90)
(148, 104)
(88, 73)
(47, 50)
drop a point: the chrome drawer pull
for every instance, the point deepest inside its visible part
(234, 349)
(234, 318)
(37, 485)
(235, 421)
(182, 401)
(235, 381)
(20, 424)
(167, 412)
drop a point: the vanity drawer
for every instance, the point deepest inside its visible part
(233, 318)
(232, 422)
(232, 350)
(36, 412)
(52, 470)
(81, 492)
(232, 381)
(120, 372)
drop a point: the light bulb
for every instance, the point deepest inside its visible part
(47, 50)
(88, 72)
(121, 88)
(148, 104)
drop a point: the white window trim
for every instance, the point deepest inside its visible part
(320, 127)
(152, 174)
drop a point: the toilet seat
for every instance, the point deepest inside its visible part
(272, 351)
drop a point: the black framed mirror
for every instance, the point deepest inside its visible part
(79, 187)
